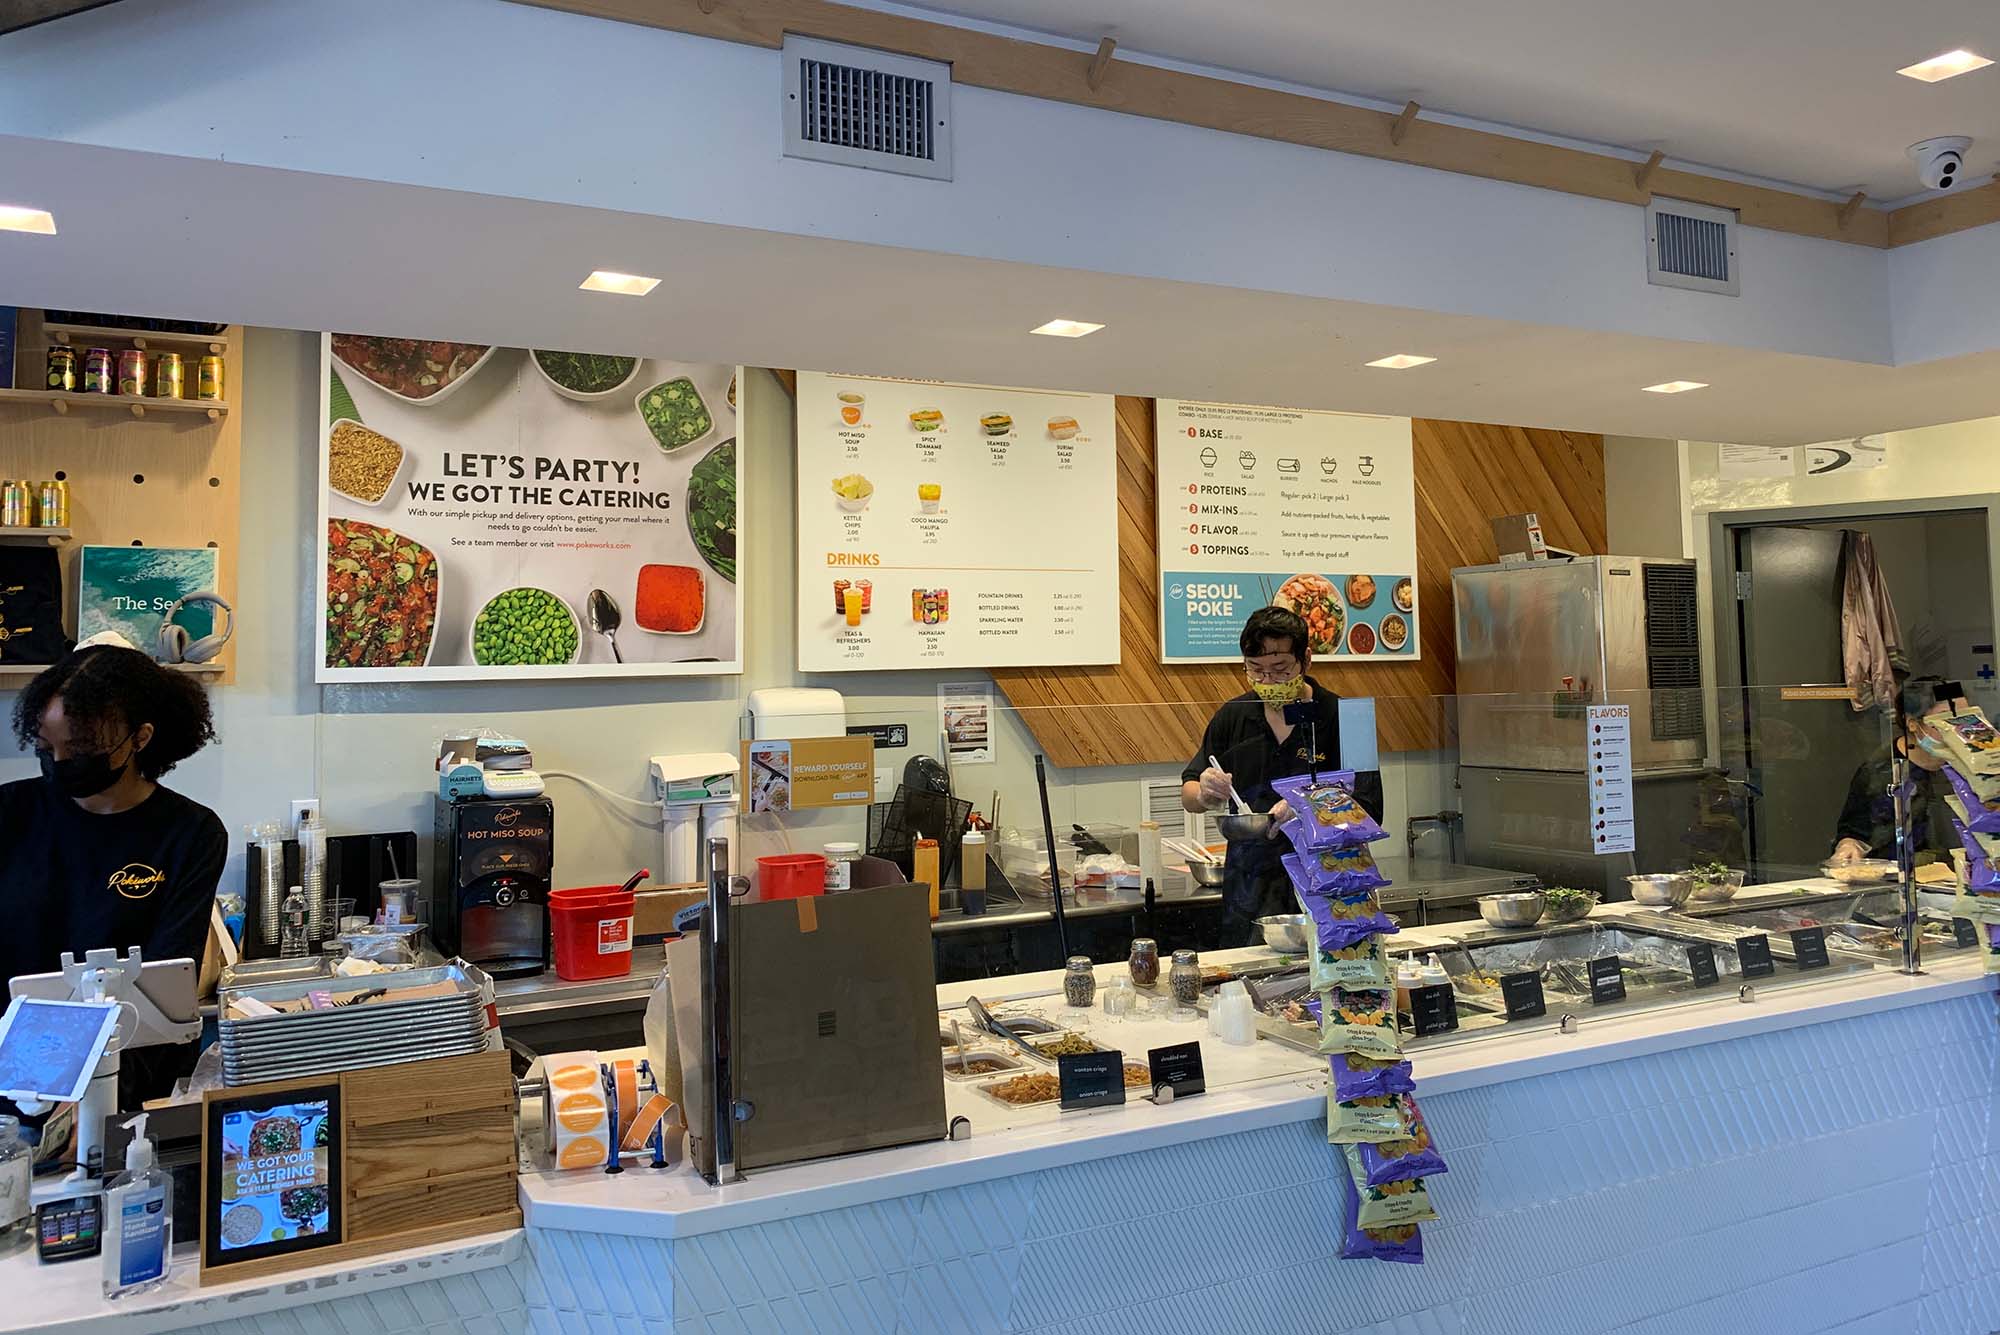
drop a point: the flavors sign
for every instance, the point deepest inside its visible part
(499, 513)
(1308, 510)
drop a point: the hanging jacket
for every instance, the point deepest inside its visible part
(1871, 639)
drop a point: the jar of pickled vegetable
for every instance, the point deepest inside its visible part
(1185, 978)
(1144, 961)
(1079, 982)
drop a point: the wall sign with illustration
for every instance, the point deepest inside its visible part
(1309, 510)
(954, 526)
(804, 773)
(493, 512)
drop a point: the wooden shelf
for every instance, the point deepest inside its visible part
(23, 671)
(90, 334)
(62, 401)
(34, 536)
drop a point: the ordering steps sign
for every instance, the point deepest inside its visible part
(1308, 510)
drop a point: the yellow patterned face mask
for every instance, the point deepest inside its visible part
(1279, 692)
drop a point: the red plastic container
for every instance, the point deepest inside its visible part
(791, 876)
(591, 928)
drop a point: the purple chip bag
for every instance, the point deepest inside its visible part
(1982, 821)
(1356, 1077)
(1403, 1243)
(1342, 920)
(1401, 1160)
(1980, 877)
(1325, 814)
(1334, 871)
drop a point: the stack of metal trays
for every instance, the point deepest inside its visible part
(380, 1031)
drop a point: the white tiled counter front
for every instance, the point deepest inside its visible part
(1826, 1158)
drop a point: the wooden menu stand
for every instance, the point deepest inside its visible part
(427, 1155)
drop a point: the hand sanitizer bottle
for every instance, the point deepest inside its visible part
(138, 1220)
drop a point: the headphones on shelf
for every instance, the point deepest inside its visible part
(174, 646)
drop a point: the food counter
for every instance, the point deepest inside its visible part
(1680, 1155)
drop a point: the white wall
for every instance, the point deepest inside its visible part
(365, 751)
(363, 89)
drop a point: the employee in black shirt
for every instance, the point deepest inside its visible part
(96, 853)
(1265, 734)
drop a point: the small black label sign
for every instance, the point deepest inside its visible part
(1179, 1068)
(1523, 994)
(1607, 980)
(885, 734)
(1433, 1010)
(1753, 954)
(1964, 933)
(1701, 964)
(1091, 1079)
(1809, 947)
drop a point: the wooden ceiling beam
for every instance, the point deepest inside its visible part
(1034, 69)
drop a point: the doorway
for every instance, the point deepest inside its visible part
(1779, 603)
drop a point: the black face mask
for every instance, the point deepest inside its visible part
(82, 776)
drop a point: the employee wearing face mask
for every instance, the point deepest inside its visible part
(1257, 738)
(95, 852)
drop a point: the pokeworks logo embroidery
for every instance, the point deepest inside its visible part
(135, 880)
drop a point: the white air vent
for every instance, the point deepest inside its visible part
(1160, 800)
(862, 108)
(1691, 246)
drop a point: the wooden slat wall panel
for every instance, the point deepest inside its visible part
(1466, 473)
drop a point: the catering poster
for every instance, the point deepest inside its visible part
(1313, 511)
(954, 526)
(276, 1181)
(498, 513)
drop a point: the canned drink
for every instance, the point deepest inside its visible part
(208, 379)
(169, 377)
(100, 373)
(14, 505)
(916, 604)
(132, 372)
(62, 367)
(61, 497)
(53, 512)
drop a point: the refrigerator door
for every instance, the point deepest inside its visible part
(1530, 657)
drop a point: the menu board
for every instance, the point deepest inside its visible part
(1308, 510)
(954, 526)
(501, 513)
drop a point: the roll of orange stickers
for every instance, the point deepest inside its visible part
(625, 1075)
(576, 1124)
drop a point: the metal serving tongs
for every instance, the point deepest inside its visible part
(988, 1023)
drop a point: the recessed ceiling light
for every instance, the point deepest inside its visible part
(1676, 386)
(1066, 328)
(15, 218)
(1402, 361)
(624, 284)
(1947, 66)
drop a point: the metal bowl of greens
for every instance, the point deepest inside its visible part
(584, 376)
(1522, 908)
(1561, 903)
(1715, 882)
(1661, 889)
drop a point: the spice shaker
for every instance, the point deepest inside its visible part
(1079, 982)
(1185, 978)
(1144, 961)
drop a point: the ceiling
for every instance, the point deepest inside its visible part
(1797, 91)
(210, 240)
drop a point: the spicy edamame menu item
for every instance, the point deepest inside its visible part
(979, 523)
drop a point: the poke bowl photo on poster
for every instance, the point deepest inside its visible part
(492, 512)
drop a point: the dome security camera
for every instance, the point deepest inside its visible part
(1940, 161)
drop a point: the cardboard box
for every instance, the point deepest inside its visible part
(653, 911)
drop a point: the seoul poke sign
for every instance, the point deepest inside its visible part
(1311, 511)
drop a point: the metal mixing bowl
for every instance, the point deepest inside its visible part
(1245, 826)
(1522, 908)
(1207, 874)
(1287, 933)
(1661, 889)
(1714, 892)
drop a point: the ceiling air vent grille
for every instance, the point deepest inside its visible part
(1691, 246)
(861, 108)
